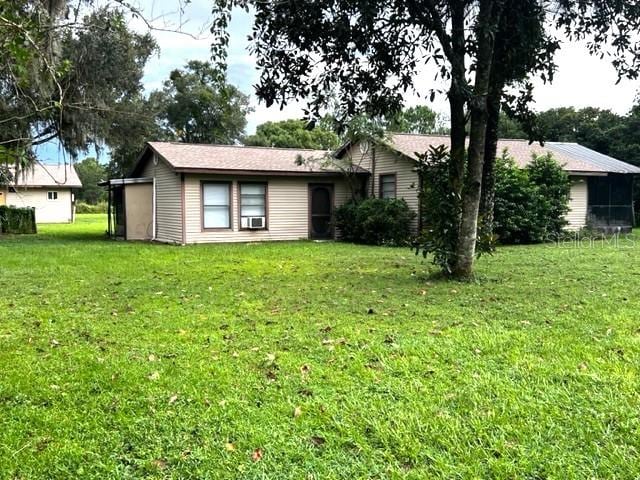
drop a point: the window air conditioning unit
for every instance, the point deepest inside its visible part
(254, 222)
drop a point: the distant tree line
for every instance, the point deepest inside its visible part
(599, 129)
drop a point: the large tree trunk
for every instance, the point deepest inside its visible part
(487, 199)
(468, 232)
(458, 99)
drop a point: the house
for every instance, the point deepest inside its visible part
(601, 186)
(47, 188)
(185, 193)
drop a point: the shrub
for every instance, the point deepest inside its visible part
(530, 203)
(17, 220)
(100, 207)
(375, 221)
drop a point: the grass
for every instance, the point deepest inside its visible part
(310, 360)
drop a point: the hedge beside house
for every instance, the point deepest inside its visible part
(17, 220)
(375, 221)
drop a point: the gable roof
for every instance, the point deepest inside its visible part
(202, 158)
(45, 175)
(574, 157)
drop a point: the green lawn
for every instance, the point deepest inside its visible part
(131, 360)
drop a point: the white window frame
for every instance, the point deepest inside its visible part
(228, 205)
(52, 195)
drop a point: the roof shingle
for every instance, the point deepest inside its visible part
(573, 157)
(187, 156)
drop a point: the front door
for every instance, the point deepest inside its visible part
(320, 211)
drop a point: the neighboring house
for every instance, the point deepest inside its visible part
(601, 186)
(47, 188)
(187, 193)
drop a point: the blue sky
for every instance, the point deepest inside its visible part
(581, 81)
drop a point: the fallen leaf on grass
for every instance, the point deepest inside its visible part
(229, 447)
(304, 370)
(317, 441)
(160, 463)
(297, 412)
(154, 376)
(55, 343)
(256, 456)
(173, 399)
(152, 357)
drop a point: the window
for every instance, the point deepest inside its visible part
(253, 203)
(52, 195)
(216, 205)
(388, 186)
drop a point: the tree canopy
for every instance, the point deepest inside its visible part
(196, 106)
(63, 78)
(91, 171)
(293, 134)
(417, 119)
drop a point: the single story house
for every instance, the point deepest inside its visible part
(187, 193)
(193, 193)
(47, 188)
(601, 186)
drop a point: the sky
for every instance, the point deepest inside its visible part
(581, 80)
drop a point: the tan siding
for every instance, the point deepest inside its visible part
(47, 211)
(387, 162)
(139, 208)
(288, 208)
(168, 201)
(577, 216)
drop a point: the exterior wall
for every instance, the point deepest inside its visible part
(168, 201)
(388, 162)
(577, 216)
(287, 208)
(138, 204)
(47, 211)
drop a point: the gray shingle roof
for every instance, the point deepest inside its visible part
(573, 157)
(200, 157)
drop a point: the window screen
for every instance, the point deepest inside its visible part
(388, 186)
(253, 200)
(216, 205)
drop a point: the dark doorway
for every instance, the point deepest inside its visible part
(320, 211)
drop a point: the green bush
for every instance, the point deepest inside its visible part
(375, 221)
(17, 220)
(100, 207)
(530, 203)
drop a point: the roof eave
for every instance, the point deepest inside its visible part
(273, 173)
